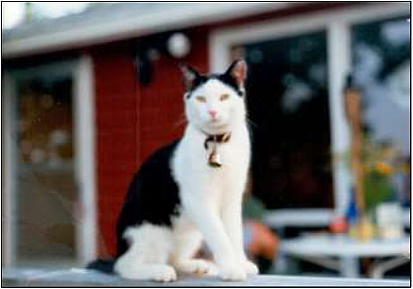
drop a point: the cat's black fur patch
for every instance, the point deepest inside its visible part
(152, 196)
(197, 82)
(230, 81)
(224, 78)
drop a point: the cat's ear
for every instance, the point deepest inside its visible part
(189, 75)
(238, 71)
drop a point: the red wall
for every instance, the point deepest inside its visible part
(116, 119)
(133, 120)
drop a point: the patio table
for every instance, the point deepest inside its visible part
(340, 252)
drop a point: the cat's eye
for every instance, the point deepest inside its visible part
(200, 99)
(224, 97)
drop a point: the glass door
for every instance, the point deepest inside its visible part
(381, 71)
(289, 118)
(45, 193)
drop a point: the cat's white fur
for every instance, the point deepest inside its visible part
(210, 198)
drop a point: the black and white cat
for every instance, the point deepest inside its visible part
(192, 189)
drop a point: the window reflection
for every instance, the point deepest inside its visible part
(381, 63)
(288, 110)
(46, 190)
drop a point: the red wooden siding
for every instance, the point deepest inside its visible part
(161, 107)
(133, 120)
(116, 119)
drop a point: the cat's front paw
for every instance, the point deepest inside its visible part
(196, 266)
(250, 268)
(232, 273)
(164, 274)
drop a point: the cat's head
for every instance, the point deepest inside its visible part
(215, 103)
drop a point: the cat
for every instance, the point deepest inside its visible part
(191, 190)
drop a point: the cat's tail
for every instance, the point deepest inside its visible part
(102, 265)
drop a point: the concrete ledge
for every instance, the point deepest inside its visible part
(77, 277)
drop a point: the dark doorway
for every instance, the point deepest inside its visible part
(290, 124)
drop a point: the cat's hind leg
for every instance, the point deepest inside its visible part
(147, 255)
(186, 245)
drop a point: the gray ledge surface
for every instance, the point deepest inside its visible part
(77, 277)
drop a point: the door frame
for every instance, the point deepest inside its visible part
(81, 71)
(8, 173)
(337, 24)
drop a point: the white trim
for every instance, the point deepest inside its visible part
(304, 217)
(339, 63)
(9, 172)
(298, 218)
(113, 29)
(85, 159)
(337, 23)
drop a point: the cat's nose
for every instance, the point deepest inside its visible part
(212, 113)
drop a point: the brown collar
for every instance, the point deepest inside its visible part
(217, 138)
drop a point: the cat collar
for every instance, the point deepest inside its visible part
(214, 158)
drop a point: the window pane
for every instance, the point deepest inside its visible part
(45, 186)
(288, 109)
(381, 69)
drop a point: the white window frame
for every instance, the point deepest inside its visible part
(337, 23)
(84, 168)
(9, 171)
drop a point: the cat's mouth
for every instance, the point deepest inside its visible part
(216, 119)
(215, 122)
(216, 126)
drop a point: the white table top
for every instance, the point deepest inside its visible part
(343, 246)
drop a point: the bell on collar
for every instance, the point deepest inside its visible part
(214, 160)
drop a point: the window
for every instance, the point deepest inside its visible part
(381, 70)
(288, 110)
(46, 191)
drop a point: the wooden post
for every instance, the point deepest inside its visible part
(353, 111)
(352, 102)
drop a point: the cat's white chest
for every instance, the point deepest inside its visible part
(234, 158)
(195, 175)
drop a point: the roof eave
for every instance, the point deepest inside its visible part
(132, 27)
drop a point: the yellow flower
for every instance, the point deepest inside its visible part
(384, 168)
